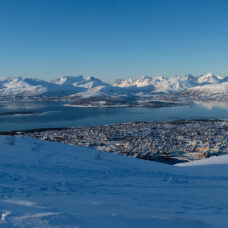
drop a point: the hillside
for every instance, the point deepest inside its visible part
(46, 184)
(64, 86)
(192, 87)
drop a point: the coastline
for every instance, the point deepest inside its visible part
(169, 142)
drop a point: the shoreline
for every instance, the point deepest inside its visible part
(178, 121)
(20, 113)
(169, 142)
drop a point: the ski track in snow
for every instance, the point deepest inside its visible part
(57, 185)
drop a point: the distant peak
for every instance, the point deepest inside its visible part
(144, 77)
(210, 74)
(190, 77)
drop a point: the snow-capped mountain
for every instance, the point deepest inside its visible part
(81, 85)
(24, 87)
(157, 84)
(175, 83)
(80, 81)
(212, 79)
(208, 92)
(67, 85)
(209, 86)
(202, 86)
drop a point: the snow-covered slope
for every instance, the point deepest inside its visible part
(60, 87)
(206, 85)
(208, 92)
(46, 184)
(19, 86)
(79, 82)
(176, 83)
(220, 160)
(212, 79)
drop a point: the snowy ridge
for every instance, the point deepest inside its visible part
(189, 85)
(19, 86)
(50, 185)
(175, 83)
(209, 86)
(63, 86)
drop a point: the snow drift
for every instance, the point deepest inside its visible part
(46, 184)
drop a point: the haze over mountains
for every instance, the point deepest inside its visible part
(203, 86)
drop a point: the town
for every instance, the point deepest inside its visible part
(171, 142)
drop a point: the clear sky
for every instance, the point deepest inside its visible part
(112, 39)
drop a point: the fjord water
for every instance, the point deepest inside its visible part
(54, 114)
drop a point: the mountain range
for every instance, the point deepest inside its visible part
(196, 87)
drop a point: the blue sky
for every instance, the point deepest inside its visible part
(112, 39)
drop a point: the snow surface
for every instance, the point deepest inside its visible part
(203, 85)
(47, 184)
(63, 86)
(176, 83)
(220, 90)
(214, 160)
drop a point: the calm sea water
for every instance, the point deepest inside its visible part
(56, 115)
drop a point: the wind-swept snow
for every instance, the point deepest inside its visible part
(46, 184)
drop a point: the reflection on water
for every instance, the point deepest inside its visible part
(54, 114)
(213, 104)
(21, 105)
